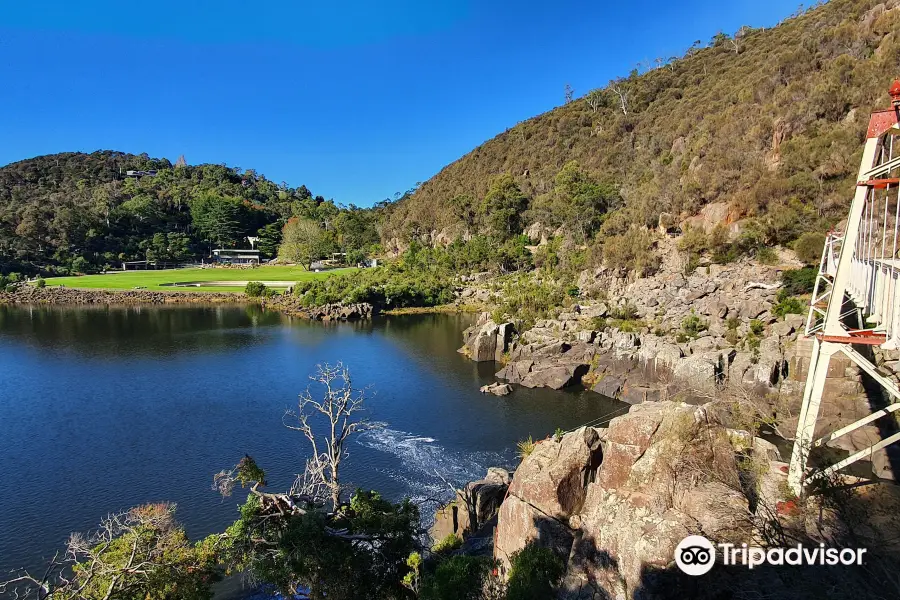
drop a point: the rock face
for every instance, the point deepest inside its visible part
(474, 507)
(486, 340)
(614, 502)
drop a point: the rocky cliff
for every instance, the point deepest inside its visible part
(615, 502)
(710, 333)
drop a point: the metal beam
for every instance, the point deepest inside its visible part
(857, 424)
(888, 166)
(867, 452)
(869, 368)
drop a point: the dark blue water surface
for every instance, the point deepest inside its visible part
(105, 408)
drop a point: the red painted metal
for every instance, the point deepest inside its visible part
(865, 340)
(895, 93)
(881, 121)
(880, 184)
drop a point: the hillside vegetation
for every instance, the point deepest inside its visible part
(766, 126)
(769, 121)
(75, 212)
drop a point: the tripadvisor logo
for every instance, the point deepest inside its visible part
(696, 555)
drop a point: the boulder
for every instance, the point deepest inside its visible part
(642, 504)
(515, 372)
(520, 524)
(609, 386)
(554, 475)
(484, 498)
(498, 475)
(474, 506)
(497, 389)
(555, 377)
(636, 394)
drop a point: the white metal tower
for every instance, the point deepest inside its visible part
(859, 276)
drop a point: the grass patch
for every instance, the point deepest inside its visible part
(153, 280)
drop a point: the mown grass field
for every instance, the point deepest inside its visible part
(153, 280)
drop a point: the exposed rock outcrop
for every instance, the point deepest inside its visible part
(486, 340)
(341, 312)
(616, 501)
(475, 506)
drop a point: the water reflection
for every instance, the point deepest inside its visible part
(110, 407)
(101, 331)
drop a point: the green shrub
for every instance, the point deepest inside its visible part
(632, 251)
(458, 577)
(809, 247)
(626, 311)
(788, 305)
(757, 326)
(525, 447)
(450, 543)
(796, 282)
(7, 281)
(599, 323)
(767, 256)
(391, 286)
(255, 289)
(692, 325)
(693, 240)
(79, 265)
(628, 325)
(534, 572)
(528, 299)
(40, 283)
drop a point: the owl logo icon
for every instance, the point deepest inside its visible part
(695, 555)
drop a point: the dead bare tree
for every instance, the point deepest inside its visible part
(339, 405)
(619, 90)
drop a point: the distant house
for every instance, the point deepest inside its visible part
(236, 256)
(139, 174)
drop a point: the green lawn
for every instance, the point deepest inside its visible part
(152, 280)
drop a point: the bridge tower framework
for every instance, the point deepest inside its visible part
(859, 276)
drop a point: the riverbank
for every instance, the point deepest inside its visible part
(444, 309)
(26, 294)
(284, 303)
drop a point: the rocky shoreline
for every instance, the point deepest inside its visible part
(287, 304)
(26, 294)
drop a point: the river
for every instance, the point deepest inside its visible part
(104, 408)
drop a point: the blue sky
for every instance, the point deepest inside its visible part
(357, 100)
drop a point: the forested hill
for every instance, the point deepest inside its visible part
(79, 212)
(769, 121)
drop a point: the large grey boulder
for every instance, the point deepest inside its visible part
(515, 372)
(555, 377)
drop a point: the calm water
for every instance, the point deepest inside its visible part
(106, 408)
